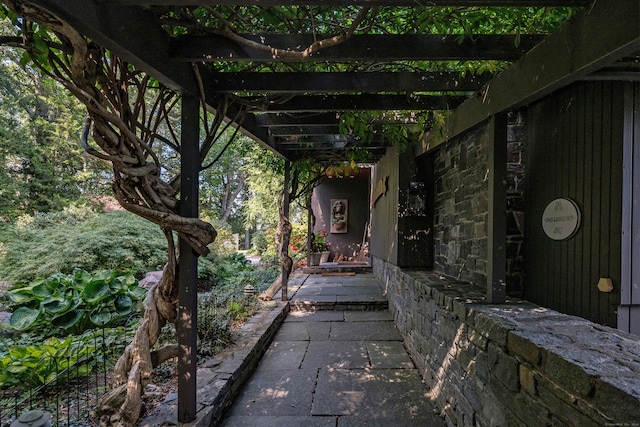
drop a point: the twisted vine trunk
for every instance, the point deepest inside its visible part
(283, 236)
(125, 129)
(122, 404)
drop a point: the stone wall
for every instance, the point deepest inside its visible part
(461, 205)
(515, 364)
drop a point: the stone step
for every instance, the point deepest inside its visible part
(347, 305)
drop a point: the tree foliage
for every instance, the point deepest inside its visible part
(41, 167)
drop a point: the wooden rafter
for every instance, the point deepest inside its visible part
(352, 82)
(477, 3)
(366, 102)
(368, 47)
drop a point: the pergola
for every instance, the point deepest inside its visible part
(305, 121)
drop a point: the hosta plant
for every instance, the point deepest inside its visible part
(76, 302)
(40, 364)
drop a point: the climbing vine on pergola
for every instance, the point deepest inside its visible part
(219, 54)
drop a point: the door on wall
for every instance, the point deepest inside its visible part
(629, 310)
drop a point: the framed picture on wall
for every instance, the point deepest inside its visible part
(339, 215)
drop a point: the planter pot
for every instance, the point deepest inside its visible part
(314, 258)
(324, 256)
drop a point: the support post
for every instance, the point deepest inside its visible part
(285, 240)
(186, 325)
(497, 221)
(309, 229)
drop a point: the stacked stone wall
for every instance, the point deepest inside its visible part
(461, 208)
(462, 203)
(515, 364)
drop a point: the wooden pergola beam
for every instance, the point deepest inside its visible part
(367, 102)
(303, 130)
(412, 3)
(129, 31)
(296, 119)
(597, 37)
(364, 47)
(348, 82)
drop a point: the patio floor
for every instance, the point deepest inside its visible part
(337, 360)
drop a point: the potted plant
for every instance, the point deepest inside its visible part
(343, 170)
(319, 248)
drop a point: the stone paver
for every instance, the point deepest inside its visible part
(389, 355)
(364, 316)
(336, 354)
(304, 331)
(385, 393)
(364, 331)
(315, 316)
(284, 355)
(283, 421)
(335, 368)
(276, 393)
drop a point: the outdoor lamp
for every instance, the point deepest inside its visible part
(33, 418)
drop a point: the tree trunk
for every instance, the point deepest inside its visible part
(267, 295)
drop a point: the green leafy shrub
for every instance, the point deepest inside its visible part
(225, 241)
(220, 269)
(264, 243)
(76, 302)
(35, 365)
(237, 310)
(42, 245)
(70, 215)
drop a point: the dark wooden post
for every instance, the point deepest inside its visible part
(285, 240)
(497, 221)
(309, 229)
(186, 324)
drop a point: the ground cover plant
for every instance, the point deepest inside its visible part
(71, 327)
(39, 245)
(76, 302)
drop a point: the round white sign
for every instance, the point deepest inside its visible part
(561, 219)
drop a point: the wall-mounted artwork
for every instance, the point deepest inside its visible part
(339, 215)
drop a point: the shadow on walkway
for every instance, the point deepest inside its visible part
(337, 360)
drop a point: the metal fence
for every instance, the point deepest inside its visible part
(70, 392)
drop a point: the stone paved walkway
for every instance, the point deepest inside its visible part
(335, 368)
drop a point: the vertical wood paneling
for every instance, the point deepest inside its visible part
(588, 206)
(567, 269)
(580, 193)
(575, 151)
(596, 208)
(617, 138)
(635, 226)
(606, 217)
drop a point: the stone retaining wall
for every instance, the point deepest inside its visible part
(515, 364)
